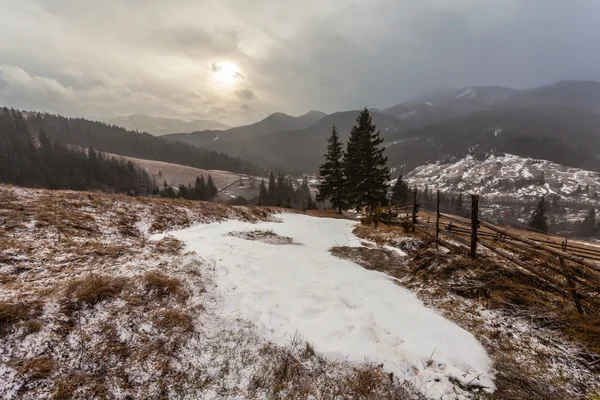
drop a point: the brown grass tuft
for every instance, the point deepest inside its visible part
(35, 368)
(33, 325)
(93, 289)
(173, 319)
(169, 245)
(163, 286)
(366, 381)
(11, 313)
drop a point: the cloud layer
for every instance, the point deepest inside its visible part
(109, 58)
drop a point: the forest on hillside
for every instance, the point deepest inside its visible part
(117, 140)
(34, 160)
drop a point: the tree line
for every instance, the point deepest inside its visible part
(33, 160)
(281, 192)
(358, 176)
(585, 228)
(203, 189)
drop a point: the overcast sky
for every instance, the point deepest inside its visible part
(238, 60)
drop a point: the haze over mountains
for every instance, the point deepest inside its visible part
(560, 122)
(161, 126)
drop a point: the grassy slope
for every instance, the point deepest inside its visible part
(90, 308)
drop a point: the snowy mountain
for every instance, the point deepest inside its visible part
(562, 135)
(509, 175)
(159, 126)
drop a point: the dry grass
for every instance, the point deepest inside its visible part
(263, 236)
(174, 319)
(12, 313)
(376, 259)
(34, 368)
(93, 289)
(162, 286)
(169, 245)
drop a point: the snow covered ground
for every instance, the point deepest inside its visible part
(345, 311)
(509, 175)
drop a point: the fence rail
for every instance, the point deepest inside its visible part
(575, 267)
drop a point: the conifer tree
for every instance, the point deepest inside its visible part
(401, 191)
(333, 185)
(211, 188)
(200, 188)
(538, 220)
(365, 165)
(272, 189)
(263, 194)
(588, 225)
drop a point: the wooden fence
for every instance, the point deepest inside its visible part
(570, 268)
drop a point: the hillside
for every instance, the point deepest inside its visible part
(144, 298)
(510, 175)
(230, 184)
(113, 139)
(297, 150)
(159, 126)
(562, 135)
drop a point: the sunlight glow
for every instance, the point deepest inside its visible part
(225, 72)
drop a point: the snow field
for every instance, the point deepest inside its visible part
(345, 311)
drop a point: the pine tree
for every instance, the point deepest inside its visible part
(200, 191)
(365, 165)
(588, 225)
(538, 220)
(333, 185)
(281, 190)
(211, 188)
(272, 190)
(263, 194)
(401, 191)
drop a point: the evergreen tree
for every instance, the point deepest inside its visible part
(281, 189)
(272, 190)
(211, 188)
(365, 165)
(200, 190)
(401, 191)
(333, 185)
(263, 194)
(587, 227)
(538, 220)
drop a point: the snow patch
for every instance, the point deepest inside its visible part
(469, 92)
(347, 312)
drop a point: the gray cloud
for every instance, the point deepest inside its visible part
(102, 59)
(245, 94)
(246, 108)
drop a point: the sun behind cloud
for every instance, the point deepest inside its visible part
(225, 72)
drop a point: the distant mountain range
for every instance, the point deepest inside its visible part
(444, 104)
(159, 126)
(559, 123)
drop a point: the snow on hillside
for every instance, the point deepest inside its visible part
(508, 175)
(346, 312)
(230, 184)
(469, 92)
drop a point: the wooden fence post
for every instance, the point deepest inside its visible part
(414, 210)
(437, 216)
(571, 285)
(474, 224)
